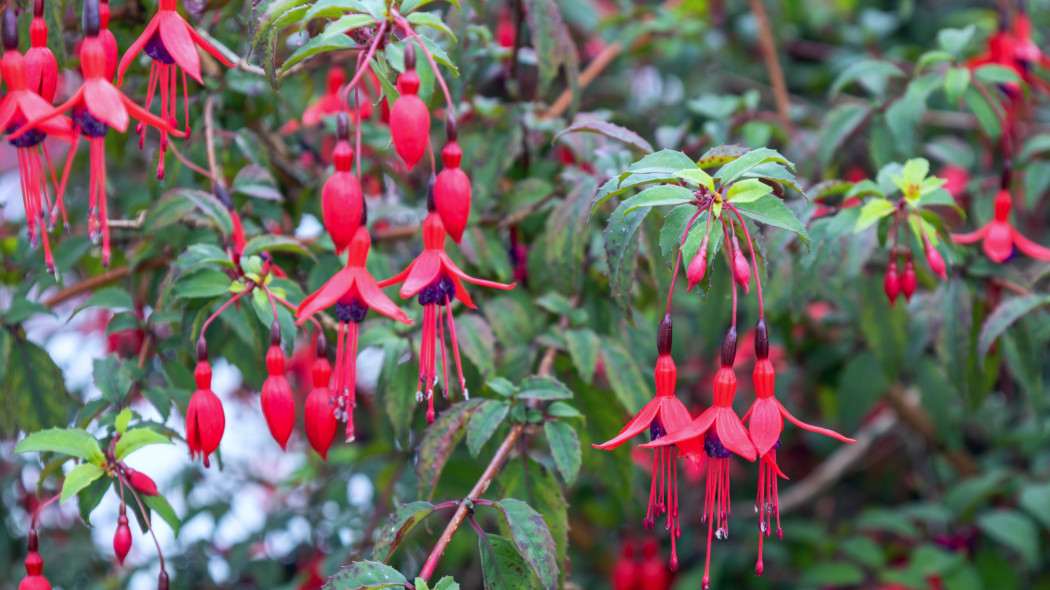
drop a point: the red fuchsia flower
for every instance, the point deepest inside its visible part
(766, 423)
(353, 291)
(909, 281)
(205, 420)
(698, 266)
(109, 42)
(97, 105)
(664, 414)
(625, 573)
(409, 117)
(277, 403)
(34, 579)
(452, 189)
(342, 203)
(122, 538)
(436, 279)
(652, 574)
(956, 177)
(319, 413)
(723, 435)
(20, 105)
(172, 44)
(40, 63)
(1000, 236)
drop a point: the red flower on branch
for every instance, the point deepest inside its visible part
(20, 104)
(97, 105)
(663, 414)
(172, 44)
(319, 413)
(999, 236)
(34, 579)
(436, 279)
(278, 406)
(353, 291)
(205, 420)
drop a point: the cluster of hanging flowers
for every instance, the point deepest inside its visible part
(711, 439)
(27, 116)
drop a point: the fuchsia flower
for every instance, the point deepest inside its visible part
(409, 117)
(205, 420)
(278, 406)
(172, 43)
(436, 279)
(19, 105)
(97, 105)
(723, 436)
(664, 414)
(109, 42)
(452, 189)
(40, 63)
(342, 202)
(319, 414)
(1000, 237)
(34, 579)
(353, 291)
(766, 423)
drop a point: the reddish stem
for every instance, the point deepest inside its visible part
(678, 261)
(400, 20)
(754, 262)
(360, 71)
(237, 296)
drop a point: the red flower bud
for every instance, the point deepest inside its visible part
(741, 270)
(142, 483)
(205, 420)
(34, 579)
(452, 192)
(409, 117)
(935, 260)
(908, 282)
(162, 580)
(40, 63)
(891, 283)
(319, 412)
(277, 403)
(697, 267)
(342, 205)
(122, 538)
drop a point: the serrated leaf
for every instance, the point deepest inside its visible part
(438, 443)
(502, 566)
(79, 478)
(565, 449)
(621, 249)
(624, 376)
(771, 211)
(552, 41)
(841, 123)
(137, 438)
(739, 166)
(609, 130)
(533, 539)
(68, 441)
(484, 422)
(365, 575)
(720, 155)
(583, 345)
(396, 527)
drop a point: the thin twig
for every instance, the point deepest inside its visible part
(110, 276)
(769, 56)
(209, 141)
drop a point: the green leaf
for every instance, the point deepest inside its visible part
(184, 201)
(408, 6)
(954, 41)
(738, 167)
(870, 73)
(484, 422)
(1003, 317)
(438, 443)
(864, 551)
(201, 254)
(396, 527)
(22, 309)
(771, 211)
(565, 449)
(720, 155)
(931, 57)
(1014, 530)
(1036, 144)
(609, 130)
(429, 19)
(543, 388)
(476, 341)
(272, 242)
(621, 251)
(533, 539)
(529, 479)
(565, 243)
(137, 438)
(956, 81)
(90, 497)
(160, 506)
(553, 43)
(840, 124)
(327, 40)
(335, 9)
(872, 212)
(655, 196)
(120, 424)
(68, 441)
(365, 575)
(398, 385)
(833, 574)
(989, 115)
(113, 378)
(446, 583)
(748, 190)
(33, 391)
(202, 284)
(1035, 498)
(501, 386)
(624, 376)
(997, 74)
(501, 566)
(583, 345)
(79, 478)
(110, 298)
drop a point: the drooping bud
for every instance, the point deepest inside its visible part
(935, 260)
(697, 267)
(891, 283)
(908, 280)
(277, 403)
(319, 412)
(342, 201)
(162, 580)
(205, 419)
(452, 192)
(409, 117)
(122, 538)
(40, 63)
(741, 269)
(142, 483)
(729, 347)
(761, 340)
(664, 336)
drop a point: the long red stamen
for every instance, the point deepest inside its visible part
(444, 361)
(351, 363)
(455, 347)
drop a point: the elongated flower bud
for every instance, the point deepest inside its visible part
(40, 63)
(698, 266)
(452, 192)
(319, 413)
(409, 117)
(891, 283)
(741, 269)
(908, 280)
(935, 260)
(205, 420)
(342, 202)
(122, 538)
(142, 483)
(277, 403)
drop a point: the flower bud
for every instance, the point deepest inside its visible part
(122, 538)
(162, 580)
(908, 281)
(142, 483)
(277, 403)
(697, 267)
(205, 420)
(935, 260)
(409, 117)
(319, 413)
(891, 283)
(741, 270)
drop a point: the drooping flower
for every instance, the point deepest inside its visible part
(122, 538)
(662, 415)
(452, 189)
(353, 291)
(723, 436)
(765, 423)
(34, 579)
(205, 420)
(40, 63)
(319, 413)
(891, 283)
(278, 406)
(436, 279)
(172, 44)
(409, 117)
(19, 105)
(1000, 236)
(342, 203)
(97, 105)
